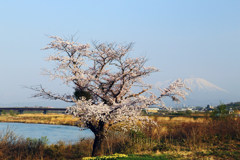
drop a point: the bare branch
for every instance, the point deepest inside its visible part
(41, 92)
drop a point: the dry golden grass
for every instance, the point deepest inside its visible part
(54, 118)
(182, 119)
(188, 119)
(163, 118)
(50, 118)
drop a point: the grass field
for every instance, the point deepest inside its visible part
(50, 118)
(176, 138)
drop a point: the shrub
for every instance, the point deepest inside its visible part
(11, 112)
(220, 112)
(188, 112)
(4, 112)
(43, 140)
(179, 113)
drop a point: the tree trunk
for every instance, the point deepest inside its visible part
(97, 145)
(98, 141)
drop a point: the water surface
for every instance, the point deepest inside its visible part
(53, 132)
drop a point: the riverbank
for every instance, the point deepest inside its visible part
(40, 118)
(63, 119)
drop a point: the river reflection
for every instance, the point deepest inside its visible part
(53, 132)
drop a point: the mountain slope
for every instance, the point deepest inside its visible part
(203, 92)
(196, 84)
(201, 85)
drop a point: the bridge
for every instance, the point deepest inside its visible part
(22, 109)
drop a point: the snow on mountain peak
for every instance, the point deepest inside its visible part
(201, 84)
(203, 92)
(196, 84)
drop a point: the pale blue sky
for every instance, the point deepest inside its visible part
(181, 38)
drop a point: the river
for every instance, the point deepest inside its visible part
(53, 132)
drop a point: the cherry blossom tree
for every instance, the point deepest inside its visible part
(104, 74)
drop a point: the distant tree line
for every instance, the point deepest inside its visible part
(234, 105)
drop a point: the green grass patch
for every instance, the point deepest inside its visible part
(146, 157)
(129, 157)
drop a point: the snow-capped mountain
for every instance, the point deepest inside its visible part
(201, 85)
(203, 92)
(196, 84)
